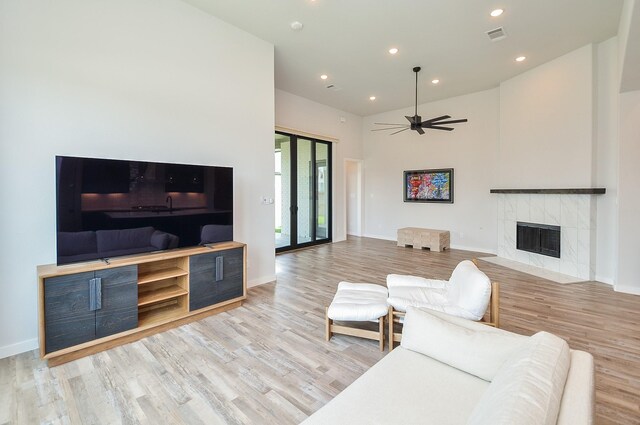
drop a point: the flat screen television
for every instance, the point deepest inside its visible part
(108, 208)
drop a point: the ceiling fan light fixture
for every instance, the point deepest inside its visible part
(415, 122)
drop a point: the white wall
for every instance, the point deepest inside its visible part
(546, 124)
(470, 149)
(153, 80)
(606, 157)
(305, 115)
(629, 202)
(353, 184)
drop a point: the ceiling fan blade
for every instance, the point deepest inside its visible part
(449, 122)
(390, 128)
(435, 127)
(412, 120)
(436, 119)
(419, 130)
(386, 123)
(399, 131)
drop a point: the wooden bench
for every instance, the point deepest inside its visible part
(418, 238)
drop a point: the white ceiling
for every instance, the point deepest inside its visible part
(349, 40)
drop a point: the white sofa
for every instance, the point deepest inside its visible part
(449, 370)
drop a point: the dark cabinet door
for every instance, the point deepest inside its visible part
(231, 283)
(202, 289)
(85, 306)
(215, 277)
(68, 317)
(119, 302)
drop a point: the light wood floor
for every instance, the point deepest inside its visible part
(267, 362)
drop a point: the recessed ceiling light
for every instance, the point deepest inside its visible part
(372, 98)
(520, 58)
(296, 26)
(497, 12)
(393, 50)
(324, 76)
(436, 81)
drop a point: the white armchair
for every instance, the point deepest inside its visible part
(466, 294)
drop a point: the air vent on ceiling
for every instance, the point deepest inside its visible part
(497, 34)
(333, 87)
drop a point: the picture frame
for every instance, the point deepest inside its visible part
(428, 186)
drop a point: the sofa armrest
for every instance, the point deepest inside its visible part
(578, 399)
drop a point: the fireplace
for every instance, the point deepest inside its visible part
(541, 239)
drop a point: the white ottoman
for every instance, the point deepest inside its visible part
(358, 302)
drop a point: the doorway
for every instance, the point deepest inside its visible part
(303, 169)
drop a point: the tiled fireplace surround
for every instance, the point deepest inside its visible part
(576, 216)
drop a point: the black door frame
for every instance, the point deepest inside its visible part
(293, 241)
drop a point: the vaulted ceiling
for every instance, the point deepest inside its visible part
(348, 41)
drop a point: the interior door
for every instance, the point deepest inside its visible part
(303, 191)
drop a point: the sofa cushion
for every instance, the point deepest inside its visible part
(358, 302)
(476, 349)
(470, 289)
(528, 388)
(124, 239)
(76, 243)
(212, 233)
(394, 280)
(406, 388)
(160, 240)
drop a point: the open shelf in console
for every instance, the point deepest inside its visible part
(163, 290)
(160, 294)
(161, 312)
(153, 276)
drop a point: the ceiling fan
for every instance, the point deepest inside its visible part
(416, 123)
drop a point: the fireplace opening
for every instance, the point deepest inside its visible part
(541, 239)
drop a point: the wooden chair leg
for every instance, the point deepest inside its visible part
(327, 325)
(381, 328)
(390, 320)
(495, 304)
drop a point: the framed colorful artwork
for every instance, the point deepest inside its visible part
(429, 185)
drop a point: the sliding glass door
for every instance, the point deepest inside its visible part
(303, 191)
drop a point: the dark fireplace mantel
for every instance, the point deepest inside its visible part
(587, 191)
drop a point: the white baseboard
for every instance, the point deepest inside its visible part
(461, 247)
(384, 238)
(603, 279)
(261, 280)
(471, 248)
(633, 290)
(19, 347)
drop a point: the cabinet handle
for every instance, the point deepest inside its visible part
(219, 268)
(95, 294)
(98, 293)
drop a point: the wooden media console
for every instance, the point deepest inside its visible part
(90, 307)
